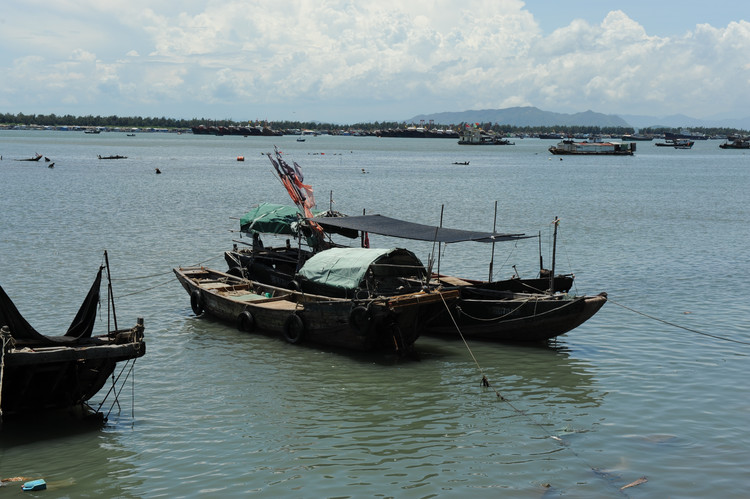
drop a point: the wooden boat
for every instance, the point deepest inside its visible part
(40, 373)
(490, 310)
(594, 148)
(36, 157)
(499, 315)
(736, 144)
(478, 137)
(676, 143)
(391, 323)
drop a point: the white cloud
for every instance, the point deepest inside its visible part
(377, 60)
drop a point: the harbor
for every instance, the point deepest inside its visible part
(652, 385)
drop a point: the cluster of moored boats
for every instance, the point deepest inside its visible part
(371, 299)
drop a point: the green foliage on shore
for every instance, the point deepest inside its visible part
(53, 120)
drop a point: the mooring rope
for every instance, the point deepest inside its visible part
(532, 421)
(677, 325)
(157, 275)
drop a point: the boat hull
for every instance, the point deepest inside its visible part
(518, 318)
(45, 378)
(386, 324)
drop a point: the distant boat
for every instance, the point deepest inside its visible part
(676, 143)
(594, 148)
(117, 156)
(637, 136)
(460, 162)
(36, 157)
(736, 144)
(91, 130)
(131, 135)
(300, 139)
(478, 137)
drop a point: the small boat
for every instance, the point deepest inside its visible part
(478, 137)
(676, 143)
(736, 144)
(116, 156)
(131, 135)
(461, 163)
(389, 324)
(594, 148)
(36, 157)
(300, 139)
(91, 131)
(41, 373)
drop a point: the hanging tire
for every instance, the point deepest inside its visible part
(360, 320)
(246, 322)
(294, 329)
(196, 302)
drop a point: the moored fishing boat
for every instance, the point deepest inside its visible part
(40, 372)
(594, 148)
(491, 310)
(740, 143)
(391, 323)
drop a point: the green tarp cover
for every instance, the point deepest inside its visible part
(346, 268)
(268, 218)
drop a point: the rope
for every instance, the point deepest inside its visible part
(677, 325)
(491, 319)
(486, 383)
(199, 264)
(7, 338)
(147, 289)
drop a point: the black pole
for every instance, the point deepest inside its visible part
(110, 293)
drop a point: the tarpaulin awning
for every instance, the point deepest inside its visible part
(346, 268)
(386, 226)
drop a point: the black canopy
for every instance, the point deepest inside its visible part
(80, 329)
(386, 226)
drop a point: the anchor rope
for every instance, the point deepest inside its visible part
(717, 337)
(157, 275)
(531, 420)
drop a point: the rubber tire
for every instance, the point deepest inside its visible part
(246, 322)
(294, 329)
(196, 302)
(360, 320)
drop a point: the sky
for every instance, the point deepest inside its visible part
(347, 61)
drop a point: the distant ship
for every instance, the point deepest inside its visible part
(594, 148)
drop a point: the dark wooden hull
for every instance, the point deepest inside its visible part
(515, 318)
(41, 378)
(391, 324)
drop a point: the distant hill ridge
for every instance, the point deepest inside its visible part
(523, 116)
(532, 116)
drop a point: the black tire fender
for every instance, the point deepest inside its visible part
(294, 329)
(246, 322)
(196, 302)
(360, 319)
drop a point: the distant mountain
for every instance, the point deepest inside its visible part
(682, 121)
(523, 116)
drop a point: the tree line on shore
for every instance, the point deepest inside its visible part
(53, 120)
